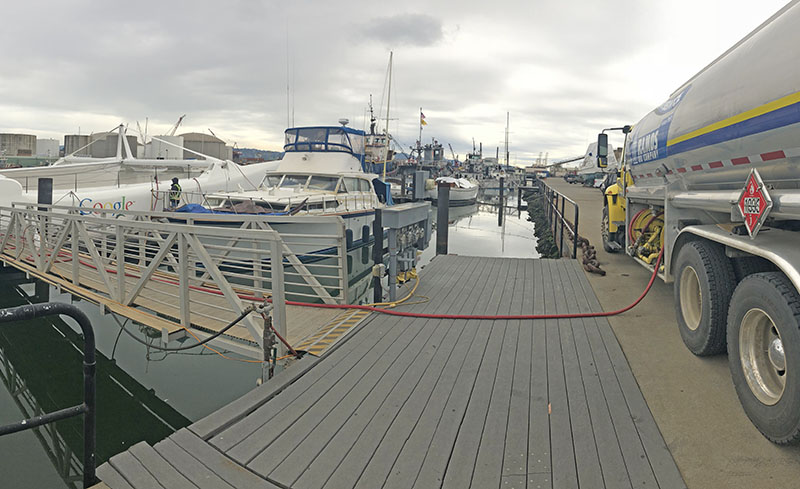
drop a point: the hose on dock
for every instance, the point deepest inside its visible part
(572, 315)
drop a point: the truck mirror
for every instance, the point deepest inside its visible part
(602, 150)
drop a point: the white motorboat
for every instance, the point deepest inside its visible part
(321, 174)
(463, 191)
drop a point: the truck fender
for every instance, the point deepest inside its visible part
(616, 209)
(777, 246)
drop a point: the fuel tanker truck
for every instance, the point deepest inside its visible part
(708, 198)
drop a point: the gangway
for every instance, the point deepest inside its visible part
(185, 278)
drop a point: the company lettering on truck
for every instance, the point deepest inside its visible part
(121, 205)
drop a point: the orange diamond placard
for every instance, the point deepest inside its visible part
(754, 203)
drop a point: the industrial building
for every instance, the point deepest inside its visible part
(165, 147)
(17, 145)
(76, 143)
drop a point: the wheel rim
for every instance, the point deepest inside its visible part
(762, 356)
(691, 298)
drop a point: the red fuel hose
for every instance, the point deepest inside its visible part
(572, 315)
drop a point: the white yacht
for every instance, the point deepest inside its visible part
(463, 191)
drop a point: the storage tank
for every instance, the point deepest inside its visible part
(161, 150)
(17, 145)
(204, 144)
(74, 142)
(740, 111)
(47, 148)
(104, 144)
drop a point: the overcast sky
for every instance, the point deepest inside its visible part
(563, 68)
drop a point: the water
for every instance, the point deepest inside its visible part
(144, 394)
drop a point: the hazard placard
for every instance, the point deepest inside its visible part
(754, 203)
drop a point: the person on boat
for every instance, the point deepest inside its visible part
(174, 193)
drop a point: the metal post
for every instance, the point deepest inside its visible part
(442, 218)
(501, 204)
(88, 408)
(561, 237)
(575, 237)
(278, 291)
(377, 254)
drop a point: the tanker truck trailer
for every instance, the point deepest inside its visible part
(709, 194)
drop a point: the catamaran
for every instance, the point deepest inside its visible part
(124, 182)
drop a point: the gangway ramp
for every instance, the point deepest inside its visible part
(413, 402)
(185, 278)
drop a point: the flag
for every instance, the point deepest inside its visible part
(422, 119)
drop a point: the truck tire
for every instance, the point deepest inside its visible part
(610, 240)
(703, 287)
(764, 354)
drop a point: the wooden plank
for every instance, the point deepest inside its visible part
(222, 466)
(584, 446)
(515, 454)
(562, 448)
(443, 420)
(489, 463)
(539, 452)
(161, 470)
(241, 407)
(133, 471)
(467, 442)
(358, 444)
(658, 454)
(336, 436)
(615, 474)
(190, 467)
(113, 479)
(639, 470)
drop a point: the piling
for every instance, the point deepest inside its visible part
(377, 254)
(45, 192)
(501, 203)
(442, 218)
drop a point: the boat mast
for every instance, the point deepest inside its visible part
(388, 101)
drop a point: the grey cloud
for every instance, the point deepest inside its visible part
(405, 30)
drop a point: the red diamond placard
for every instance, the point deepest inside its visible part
(754, 203)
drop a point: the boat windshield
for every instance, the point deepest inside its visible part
(271, 180)
(294, 181)
(325, 139)
(323, 183)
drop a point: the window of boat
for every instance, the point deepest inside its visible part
(294, 181)
(364, 185)
(338, 140)
(271, 180)
(322, 183)
(351, 184)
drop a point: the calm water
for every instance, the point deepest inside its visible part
(144, 394)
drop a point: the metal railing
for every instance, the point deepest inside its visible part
(88, 407)
(554, 202)
(202, 270)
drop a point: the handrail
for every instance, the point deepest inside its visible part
(88, 408)
(552, 198)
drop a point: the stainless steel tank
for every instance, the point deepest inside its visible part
(741, 111)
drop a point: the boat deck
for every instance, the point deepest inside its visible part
(404, 402)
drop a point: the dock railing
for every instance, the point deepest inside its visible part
(554, 203)
(195, 272)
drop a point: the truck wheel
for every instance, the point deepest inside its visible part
(764, 354)
(704, 284)
(610, 243)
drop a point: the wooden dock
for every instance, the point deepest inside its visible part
(444, 403)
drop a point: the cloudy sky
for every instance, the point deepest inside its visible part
(563, 68)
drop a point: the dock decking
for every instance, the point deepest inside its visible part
(428, 403)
